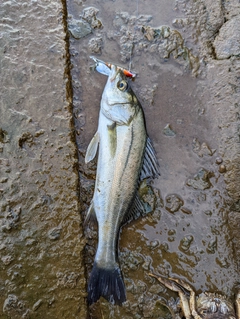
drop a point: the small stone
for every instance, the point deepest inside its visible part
(205, 150)
(168, 131)
(40, 132)
(95, 45)
(171, 232)
(171, 239)
(200, 180)
(227, 42)
(37, 304)
(79, 28)
(222, 168)
(154, 244)
(219, 160)
(201, 149)
(173, 203)
(149, 33)
(90, 14)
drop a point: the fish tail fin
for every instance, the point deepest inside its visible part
(107, 283)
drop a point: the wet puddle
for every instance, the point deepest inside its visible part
(187, 234)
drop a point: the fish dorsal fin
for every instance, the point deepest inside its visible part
(92, 148)
(150, 167)
(91, 216)
(137, 209)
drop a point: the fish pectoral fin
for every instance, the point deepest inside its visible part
(136, 210)
(92, 148)
(91, 216)
(150, 167)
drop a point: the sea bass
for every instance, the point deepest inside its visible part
(125, 157)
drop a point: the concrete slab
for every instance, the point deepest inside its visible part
(41, 268)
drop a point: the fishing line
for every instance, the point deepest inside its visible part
(131, 52)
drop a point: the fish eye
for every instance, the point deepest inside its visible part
(122, 85)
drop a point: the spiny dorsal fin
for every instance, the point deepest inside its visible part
(92, 148)
(150, 167)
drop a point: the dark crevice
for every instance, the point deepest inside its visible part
(69, 98)
(216, 32)
(212, 50)
(224, 11)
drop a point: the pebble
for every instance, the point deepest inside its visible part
(222, 168)
(219, 160)
(168, 131)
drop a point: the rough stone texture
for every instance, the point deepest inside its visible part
(227, 43)
(224, 90)
(41, 267)
(220, 53)
(231, 8)
(215, 17)
(225, 104)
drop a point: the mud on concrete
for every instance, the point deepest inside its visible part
(41, 243)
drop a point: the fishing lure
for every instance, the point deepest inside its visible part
(105, 67)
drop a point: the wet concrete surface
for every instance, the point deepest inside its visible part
(41, 243)
(189, 97)
(187, 64)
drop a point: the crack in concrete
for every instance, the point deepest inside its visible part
(69, 97)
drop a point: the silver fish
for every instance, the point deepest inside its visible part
(126, 156)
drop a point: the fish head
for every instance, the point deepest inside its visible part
(118, 99)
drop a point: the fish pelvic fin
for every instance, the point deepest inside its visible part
(150, 166)
(91, 215)
(92, 148)
(107, 283)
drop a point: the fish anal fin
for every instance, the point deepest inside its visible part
(91, 216)
(150, 166)
(92, 148)
(137, 209)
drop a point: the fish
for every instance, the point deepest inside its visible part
(125, 157)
